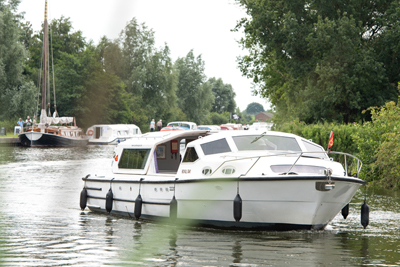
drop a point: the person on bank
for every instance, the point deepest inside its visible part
(159, 125)
(152, 125)
(20, 123)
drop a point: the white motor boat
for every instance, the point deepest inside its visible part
(230, 179)
(111, 134)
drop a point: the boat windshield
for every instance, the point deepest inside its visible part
(134, 158)
(266, 142)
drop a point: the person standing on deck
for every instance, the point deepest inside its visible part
(159, 125)
(28, 122)
(34, 120)
(152, 125)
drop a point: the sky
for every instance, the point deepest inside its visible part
(202, 25)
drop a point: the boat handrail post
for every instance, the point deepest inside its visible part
(345, 164)
(359, 162)
(301, 154)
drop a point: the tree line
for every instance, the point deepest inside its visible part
(126, 80)
(315, 62)
(322, 61)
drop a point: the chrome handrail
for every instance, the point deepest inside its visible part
(294, 153)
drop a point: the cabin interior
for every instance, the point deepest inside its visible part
(169, 154)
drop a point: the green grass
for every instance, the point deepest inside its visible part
(9, 135)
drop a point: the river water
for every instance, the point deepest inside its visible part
(41, 224)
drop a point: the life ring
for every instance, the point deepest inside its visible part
(90, 132)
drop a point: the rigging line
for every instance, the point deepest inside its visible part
(39, 85)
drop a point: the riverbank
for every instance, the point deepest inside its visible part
(9, 141)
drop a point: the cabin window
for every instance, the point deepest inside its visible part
(190, 155)
(215, 147)
(207, 171)
(266, 142)
(228, 170)
(134, 158)
(297, 169)
(314, 148)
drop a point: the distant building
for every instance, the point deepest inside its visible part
(264, 116)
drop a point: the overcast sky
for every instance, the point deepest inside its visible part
(201, 25)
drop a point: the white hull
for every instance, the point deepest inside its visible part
(278, 204)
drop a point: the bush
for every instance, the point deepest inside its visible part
(378, 145)
(9, 124)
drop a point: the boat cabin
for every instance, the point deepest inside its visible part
(111, 133)
(160, 153)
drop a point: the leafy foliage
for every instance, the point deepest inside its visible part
(195, 96)
(126, 80)
(15, 90)
(378, 145)
(322, 61)
(254, 108)
(224, 96)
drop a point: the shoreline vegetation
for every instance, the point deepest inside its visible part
(376, 143)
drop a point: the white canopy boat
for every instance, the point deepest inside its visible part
(230, 179)
(111, 134)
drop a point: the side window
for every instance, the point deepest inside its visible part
(314, 148)
(133, 158)
(190, 155)
(215, 147)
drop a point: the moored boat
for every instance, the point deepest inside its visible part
(185, 125)
(111, 134)
(231, 179)
(51, 130)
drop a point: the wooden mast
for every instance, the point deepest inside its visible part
(44, 58)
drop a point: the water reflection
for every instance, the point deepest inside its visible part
(42, 225)
(237, 252)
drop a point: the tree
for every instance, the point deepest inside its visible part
(322, 61)
(254, 108)
(137, 47)
(17, 94)
(224, 96)
(195, 96)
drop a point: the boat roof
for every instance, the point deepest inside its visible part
(187, 122)
(151, 139)
(223, 134)
(154, 138)
(115, 125)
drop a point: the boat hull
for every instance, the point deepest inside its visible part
(273, 203)
(38, 139)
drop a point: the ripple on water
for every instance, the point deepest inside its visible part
(41, 225)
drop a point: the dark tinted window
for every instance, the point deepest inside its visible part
(134, 158)
(215, 147)
(190, 155)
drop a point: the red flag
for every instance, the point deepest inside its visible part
(330, 143)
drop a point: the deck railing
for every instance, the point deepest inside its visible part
(300, 154)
